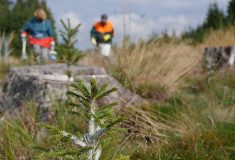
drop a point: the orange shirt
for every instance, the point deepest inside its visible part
(108, 28)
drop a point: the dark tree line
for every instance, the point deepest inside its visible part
(215, 19)
(13, 15)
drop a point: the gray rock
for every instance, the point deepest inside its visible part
(43, 84)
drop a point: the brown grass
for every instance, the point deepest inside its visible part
(151, 64)
(157, 68)
(145, 127)
(220, 38)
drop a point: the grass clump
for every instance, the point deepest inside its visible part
(143, 67)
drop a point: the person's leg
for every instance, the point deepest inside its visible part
(37, 53)
(37, 50)
(45, 54)
(105, 49)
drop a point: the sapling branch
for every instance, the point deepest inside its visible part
(74, 138)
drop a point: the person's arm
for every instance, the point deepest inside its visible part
(25, 29)
(50, 33)
(50, 29)
(112, 32)
(93, 32)
(93, 36)
(109, 35)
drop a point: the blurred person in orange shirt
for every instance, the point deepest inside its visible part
(102, 34)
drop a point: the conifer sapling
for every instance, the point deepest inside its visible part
(99, 119)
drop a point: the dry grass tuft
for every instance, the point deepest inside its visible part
(225, 114)
(145, 127)
(220, 38)
(151, 64)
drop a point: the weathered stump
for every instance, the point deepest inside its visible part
(217, 57)
(44, 84)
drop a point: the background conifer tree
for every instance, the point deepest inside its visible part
(231, 12)
(67, 53)
(215, 17)
(5, 16)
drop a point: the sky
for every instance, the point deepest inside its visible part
(142, 17)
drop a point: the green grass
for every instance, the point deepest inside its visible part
(18, 134)
(201, 132)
